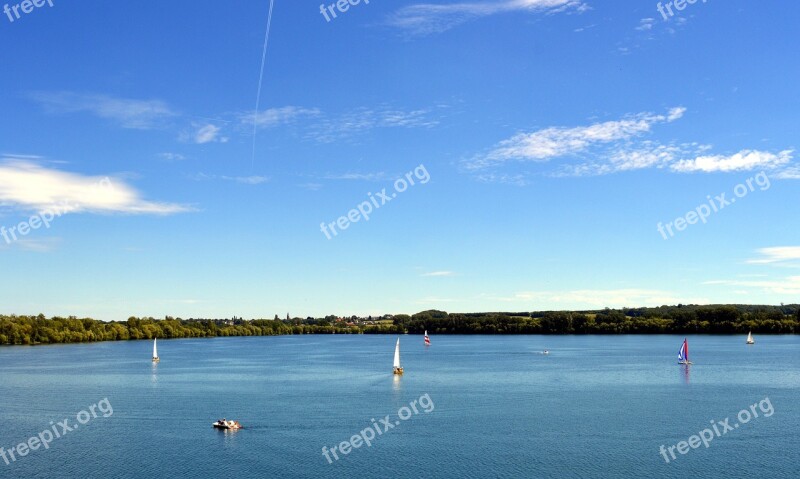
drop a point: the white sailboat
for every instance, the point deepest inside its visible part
(397, 368)
(750, 338)
(427, 339)
(155, 351)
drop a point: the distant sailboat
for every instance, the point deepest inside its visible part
(683, 354)
(427, 339)
(397, 368)
(750, 338)
(155, 351)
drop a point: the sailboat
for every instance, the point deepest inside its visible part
(750, 338)
(427, 339)
(155, 351)
(683, 354)
(397, 368)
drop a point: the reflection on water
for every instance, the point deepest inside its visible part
(154, 376)
(686, 373)
(396, 383)
(228, 436)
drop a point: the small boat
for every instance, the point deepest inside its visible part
(545, 352)
(227, 425)
(397, 368)
(427, 339)
(155, 352)
(750, 338)
(683, 354)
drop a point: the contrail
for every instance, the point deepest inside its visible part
(260, 82)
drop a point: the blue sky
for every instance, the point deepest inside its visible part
(556, 134)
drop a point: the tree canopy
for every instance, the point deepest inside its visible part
(680, 319)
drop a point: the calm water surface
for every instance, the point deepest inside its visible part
(595, 407)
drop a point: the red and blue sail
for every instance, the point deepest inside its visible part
(683, 354)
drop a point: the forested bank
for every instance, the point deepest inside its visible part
(681, 319)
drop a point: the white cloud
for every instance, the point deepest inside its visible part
(365, 119)
(129, 113)
(246, 180)
(650, 155)
(676, 113)
(438, 274)
(786, 286)
(516, 180)
(43, 245)
(553, 142)
(277, 116)
(617, 146)
(357, 176)
(28, 186)
(778, 254)
(171, 156)
(427, 18)
(745, 160)
(635, 156)
(207, 134)
(646, 24)
(602, 298)
(789, 173)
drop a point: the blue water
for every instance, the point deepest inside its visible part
(595, 407)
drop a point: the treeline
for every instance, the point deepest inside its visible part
(20, 330)
(681, 319)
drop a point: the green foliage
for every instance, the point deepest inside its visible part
(681, 319)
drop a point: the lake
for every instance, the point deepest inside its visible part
(471, 407)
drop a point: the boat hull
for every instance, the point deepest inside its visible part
(227, 428)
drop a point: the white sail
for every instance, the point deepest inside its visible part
(750, 338)
(397, 354)
(155, 349)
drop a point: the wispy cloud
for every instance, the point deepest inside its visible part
(27, 186)
(278, 116)
(507, 179)
(646, 24)
(360, 120)
(357, 176)
(246, 180)
(311, 186)
(128, 113)
(788, 173)
(208, 134)
(554, 142)
(745, 160)
(437, 274)
(631, 156)
(786, 286)
(171, 156)
(601, 298)
(42, 245)
(429, 18)
(777, 255)
(617, 146)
